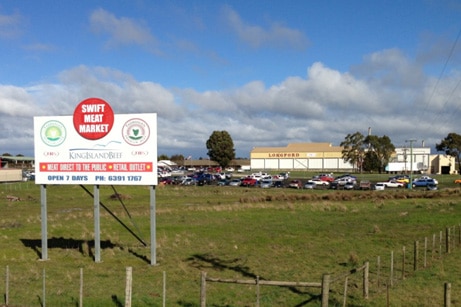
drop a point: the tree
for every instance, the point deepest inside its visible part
(451, 145)
(162, 157)
(353, 149)
(382, 147)
(221, 148)
(178, 159)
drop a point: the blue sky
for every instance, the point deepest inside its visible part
(268, 72)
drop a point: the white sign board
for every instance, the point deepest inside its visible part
(96, 147)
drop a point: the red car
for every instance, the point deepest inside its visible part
(249, 182)
(295, 184)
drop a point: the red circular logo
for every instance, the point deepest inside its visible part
(93, 118)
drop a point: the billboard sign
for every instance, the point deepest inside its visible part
(96, 146)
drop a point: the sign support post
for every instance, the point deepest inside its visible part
(97, 237)
(44, 222)
(153, 243)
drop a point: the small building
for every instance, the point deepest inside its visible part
(300, 156)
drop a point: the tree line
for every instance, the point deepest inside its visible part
(366, 153)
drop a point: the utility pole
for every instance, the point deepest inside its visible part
(411, 162)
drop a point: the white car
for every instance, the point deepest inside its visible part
(393, 184)
(379, 186)
(320, 182)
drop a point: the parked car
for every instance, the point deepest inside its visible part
(424, 182)
(320, 182)
(295, 184)
(457, 181)
(365, 185)
(249, 182)
(310, 185)
(350, 186)
(235, 182)
(393, 184)
(379, 186)
(277, 184)
(265, 183)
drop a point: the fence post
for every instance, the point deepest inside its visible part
(7, 286)
(164, 289)
(366, 273)
(44, 289)
(433, 247)
(203, 290)
(447, 240)
(378, 269)
(325, 289)
(440, 244)
(80, 299)
(403, 262)
(345, 292)
(447, 295)
(425, 252)
(415, 258)
(392, 269)
(128, 288)
(257, 291)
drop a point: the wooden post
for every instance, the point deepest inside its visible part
(7, 286)
(440, 244)
(378, 270)
(44, 289)
(415, 258)
(447, 295)
(366, 274)
(164, 289)
(433, 247)
(325, 289)
(345, 292)
(403, 262)
(80, 294)
(392, 270)
(203, 290)
(425, 252)
(257, 291)
(447, 240)
(128, 288)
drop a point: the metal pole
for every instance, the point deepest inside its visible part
(153, 243)
(44, 222)
(411, 162)
(97, 234)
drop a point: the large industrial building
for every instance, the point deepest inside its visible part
(300, 156)
(324, 157)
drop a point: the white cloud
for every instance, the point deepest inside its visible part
(275, 35)
(10, 25)
(122, 31)
(323, 106)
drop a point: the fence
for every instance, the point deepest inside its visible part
(128, 288)
(384, 281)
(324, 285)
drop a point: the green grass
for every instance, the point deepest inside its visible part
(238, 233)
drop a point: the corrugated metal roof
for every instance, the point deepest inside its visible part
(303, 147)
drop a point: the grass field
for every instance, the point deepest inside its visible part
(228, 232)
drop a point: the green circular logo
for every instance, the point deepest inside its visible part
(53, 133)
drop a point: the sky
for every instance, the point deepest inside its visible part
(269, 73)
